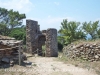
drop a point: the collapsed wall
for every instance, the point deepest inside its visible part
(9, 50)
(86, 51)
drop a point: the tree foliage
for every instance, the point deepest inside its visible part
(9, 20)
(98, 32)
(19, 34)
(91, 28)
(3, 21)
(70, 31)
(11, 24)
(15, 19)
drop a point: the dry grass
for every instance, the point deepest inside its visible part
(86, 41)
(81, 63)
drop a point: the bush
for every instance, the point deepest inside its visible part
(60, 47)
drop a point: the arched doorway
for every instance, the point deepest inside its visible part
(41, 45)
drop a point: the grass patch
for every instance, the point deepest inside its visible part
(34, 65)
(43, 50)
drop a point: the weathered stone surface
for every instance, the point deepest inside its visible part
(86, 51)
(6, 37)
(9, 49)
(31, 32)
(35, 39)
(5, 59)
(51, 43)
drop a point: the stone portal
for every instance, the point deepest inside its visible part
(35, 39)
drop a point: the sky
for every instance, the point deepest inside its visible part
(50, 13)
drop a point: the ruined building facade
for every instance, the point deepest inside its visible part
(35, 39)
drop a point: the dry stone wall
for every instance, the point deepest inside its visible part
(9, 51)
(86, 51)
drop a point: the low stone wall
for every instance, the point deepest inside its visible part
(9, 51)
(86, 51)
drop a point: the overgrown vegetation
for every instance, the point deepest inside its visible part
(43, 50)
(75, 32)
(72, 31)
(11, 24)
(19, 34)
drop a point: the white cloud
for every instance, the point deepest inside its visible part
(56, 3)
(23, 6)
(57, 19)
(98, 19)
(51, 22)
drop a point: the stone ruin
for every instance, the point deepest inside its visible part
(9, 51)
(35, 39)
(89, 51)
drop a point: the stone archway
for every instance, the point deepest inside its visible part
(35, 39)
(41, 42)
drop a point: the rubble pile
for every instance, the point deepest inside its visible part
(9, 50)
(86, 51)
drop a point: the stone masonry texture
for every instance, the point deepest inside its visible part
(35, 39)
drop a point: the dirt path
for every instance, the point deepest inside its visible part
(50, 66)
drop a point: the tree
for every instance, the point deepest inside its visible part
(3, 29)
(3, 21)
(91, 28)
(19, 34)
(15, 19)
(3, 15)
(10, 20)
(70, 31)
(98, 33)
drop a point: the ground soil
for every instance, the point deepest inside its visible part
(46, 66)
(50, 66)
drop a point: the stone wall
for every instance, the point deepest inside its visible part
(35, 39)
(9, 51)
(86, 51)
(51, 43)
(31, 33)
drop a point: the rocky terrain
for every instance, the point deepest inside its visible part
(85, 50)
